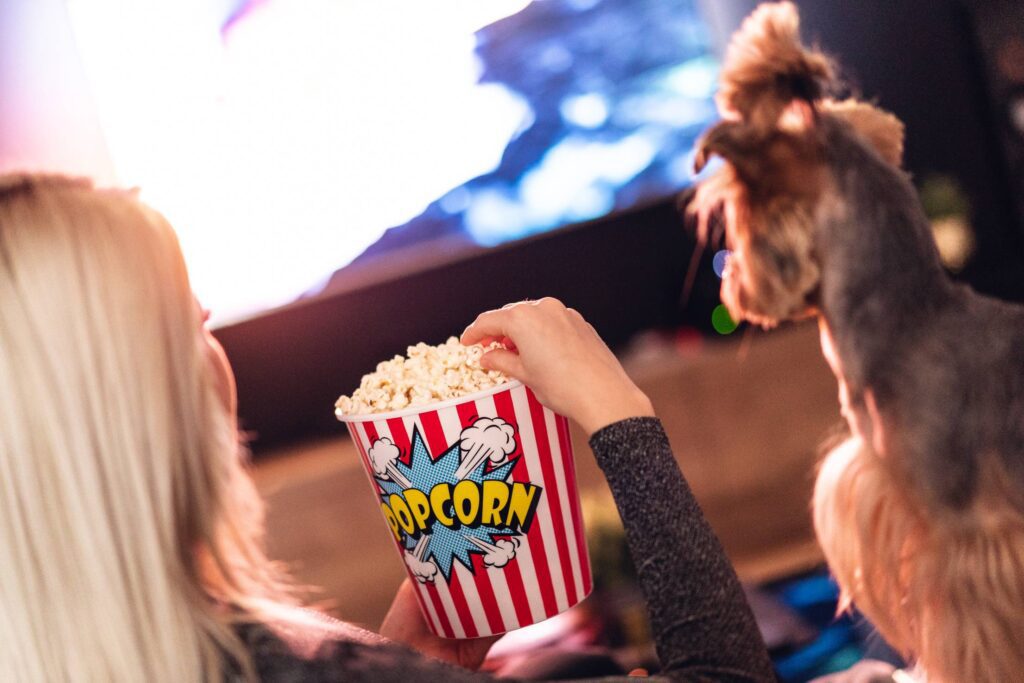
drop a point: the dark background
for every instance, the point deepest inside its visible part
(927, 61)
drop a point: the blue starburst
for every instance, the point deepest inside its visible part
(446, 544)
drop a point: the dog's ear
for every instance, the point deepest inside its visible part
(883, 131)
(731, 140)
(779, 164)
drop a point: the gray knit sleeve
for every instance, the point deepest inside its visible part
(703, 627)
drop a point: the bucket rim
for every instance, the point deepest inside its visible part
(428, 407)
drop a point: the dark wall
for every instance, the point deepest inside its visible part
(917, 58)
(920, 59)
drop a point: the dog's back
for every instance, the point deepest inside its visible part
(823, 221)
(945, 364)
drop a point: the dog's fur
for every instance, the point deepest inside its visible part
(822, 222)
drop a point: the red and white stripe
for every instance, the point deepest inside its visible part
(551, 570)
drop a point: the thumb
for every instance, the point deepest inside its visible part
(504, 361)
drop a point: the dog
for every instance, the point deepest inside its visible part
(822, 222)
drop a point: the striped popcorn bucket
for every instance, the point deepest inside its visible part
(479, 496)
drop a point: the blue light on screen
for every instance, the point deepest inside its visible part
(615, 95)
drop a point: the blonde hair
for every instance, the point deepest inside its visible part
(130, 531)
(944, 586)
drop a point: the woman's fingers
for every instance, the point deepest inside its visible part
(488, 327)
(560, 356)
(504, 323)
(505, 362)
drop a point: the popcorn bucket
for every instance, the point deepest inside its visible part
(479, 495)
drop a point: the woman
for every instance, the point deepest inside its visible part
(132, 533)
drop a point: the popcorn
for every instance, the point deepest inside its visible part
(428, 374)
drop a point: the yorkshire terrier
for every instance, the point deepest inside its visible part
(921, 511)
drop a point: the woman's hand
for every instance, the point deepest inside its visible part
(404, 624)
(555, 352)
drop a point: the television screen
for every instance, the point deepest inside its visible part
(287, 140)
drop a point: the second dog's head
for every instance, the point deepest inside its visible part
(776, 173)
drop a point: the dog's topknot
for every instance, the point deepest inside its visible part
(766, 68)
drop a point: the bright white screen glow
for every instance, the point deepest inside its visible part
(327, 121)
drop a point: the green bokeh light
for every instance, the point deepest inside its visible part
(722, 321)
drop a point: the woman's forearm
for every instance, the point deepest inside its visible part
(703, 627)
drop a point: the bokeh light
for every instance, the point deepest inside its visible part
(719, 261)
(722, 321)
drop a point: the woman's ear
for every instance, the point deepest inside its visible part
(879, 431)
(857, 418)
(731, 140)
(828, 347)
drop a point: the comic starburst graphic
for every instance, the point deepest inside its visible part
(445, 545)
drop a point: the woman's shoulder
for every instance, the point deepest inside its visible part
(303, 645)
(300, 631)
